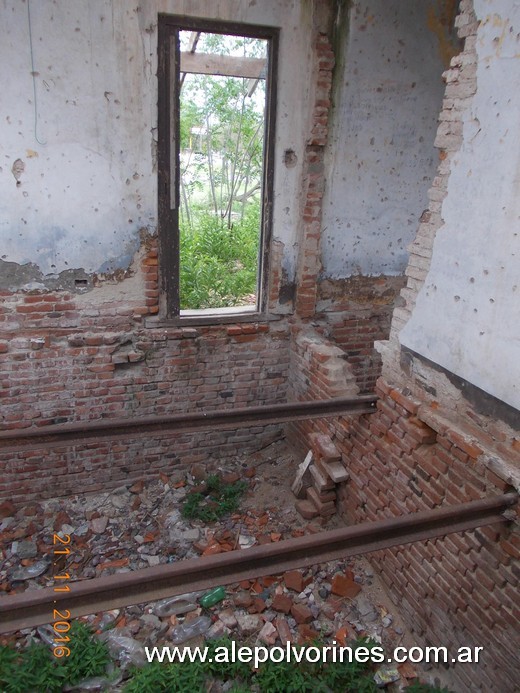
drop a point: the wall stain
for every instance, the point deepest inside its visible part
(441, 21)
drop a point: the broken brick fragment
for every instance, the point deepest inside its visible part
(324, 447)
(257, 587)
(61, 519)
(282, 602)
(7, 509)
(243, 600)
(212, 549)
(137, 487)
(344, 586)
(306, 509)
(284, 632)
(293, 580)
(301, 613)
(200, 546)
(407, 671)
(264, 539)
(258, 605)
(230, 477)
(341, 636)
(307, 633)
(268, 580)
(268, 633)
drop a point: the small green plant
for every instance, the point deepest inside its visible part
(167, 678)
(88, 655)
(36, 668)
(31, 670)
(288, 677)
(225, 670)
(269, 677)
(217, 500)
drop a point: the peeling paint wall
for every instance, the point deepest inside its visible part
(77, 169)
(388, 93)
(466, 318)
(86, 186)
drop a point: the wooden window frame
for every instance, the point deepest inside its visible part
(168, 164)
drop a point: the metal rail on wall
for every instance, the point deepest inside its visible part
(35, 607)
(53, 436)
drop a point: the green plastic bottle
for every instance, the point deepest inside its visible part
(212, 597)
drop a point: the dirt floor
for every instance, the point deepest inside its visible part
(142, 525)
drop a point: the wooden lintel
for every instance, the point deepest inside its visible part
(225, 65)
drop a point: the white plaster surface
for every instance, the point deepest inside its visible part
(89, 183)
(381, 156)
(467, 316)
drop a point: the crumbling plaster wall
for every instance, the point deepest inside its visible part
(438, 438)
(77, 175)
(378, 163)
(466, 316)
(380, 156)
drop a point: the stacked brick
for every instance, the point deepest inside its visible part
(354, 313)
(314, 182)
(326, 472)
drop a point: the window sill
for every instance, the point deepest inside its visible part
(213, 316)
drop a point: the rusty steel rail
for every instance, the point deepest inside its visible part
(35, 607)
(94, 431)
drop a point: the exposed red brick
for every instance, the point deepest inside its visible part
(293, 580)
(306, 509)
(282, 602)
(410, 405)
(7, 509)
(284, 632)
(344, 586)
(301, 613)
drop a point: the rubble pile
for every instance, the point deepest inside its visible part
(142, 525)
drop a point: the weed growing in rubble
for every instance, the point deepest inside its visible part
(36, 669)
(167, 678)
(270, 677)
(217, 500)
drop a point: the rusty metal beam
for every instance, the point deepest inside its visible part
(110, 429)
(35, 607)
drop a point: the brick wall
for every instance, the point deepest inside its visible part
(457, 591)
(428, 449)
(356, 334)
(314, 181)
(460, 590)
(67, 357)
(318, 370)
(428, 445)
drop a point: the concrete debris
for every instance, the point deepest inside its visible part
(24, 549)
(301, 481)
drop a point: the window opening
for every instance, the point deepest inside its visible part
(215, 165)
